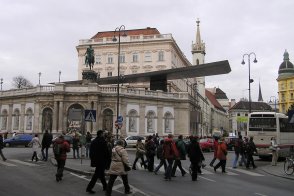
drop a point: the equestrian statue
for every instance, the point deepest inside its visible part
(90, 59)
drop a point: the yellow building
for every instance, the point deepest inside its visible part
(286, 84)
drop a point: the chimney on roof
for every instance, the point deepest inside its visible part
(148, 28)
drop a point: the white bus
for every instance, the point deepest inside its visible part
(265, 125)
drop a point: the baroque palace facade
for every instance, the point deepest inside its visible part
(60, 107)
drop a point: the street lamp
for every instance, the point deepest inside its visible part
(39, 77)
(250, 80)
(275, 102)
(1, 82)
(59, 76)
(118, 30)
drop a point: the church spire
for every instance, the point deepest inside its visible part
(199, 46)
(260, 99)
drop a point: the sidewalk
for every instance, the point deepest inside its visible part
(277, 170)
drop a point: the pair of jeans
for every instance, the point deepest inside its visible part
(212, 161)
(161, 163)
(74, 153)
(99, 173)
(168, 171)
(2, 155)
(177, 163)
(142, 162)
(111, 181)
(35, 156)
(60, 168)
(45, 155)
(194, 167)
(221, 163)
(87, 149)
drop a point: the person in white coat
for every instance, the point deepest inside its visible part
(118, 159)
(35, 143)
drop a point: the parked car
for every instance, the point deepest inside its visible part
(231, 142)
(206, 144)
(68, 138)
(18, 140)
(131, 141)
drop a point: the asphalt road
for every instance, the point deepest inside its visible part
(20, 176)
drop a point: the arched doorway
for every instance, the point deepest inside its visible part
(107, 123)
(75, 119)
(47, 120)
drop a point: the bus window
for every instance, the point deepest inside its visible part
(285, 126)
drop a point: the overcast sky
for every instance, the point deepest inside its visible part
(41, 36)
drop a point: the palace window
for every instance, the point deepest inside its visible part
(110, 59)
(98, 59)
(16, 115)
(148, 57)
(160, 56)
(109, 74)
(135, 57)
(122, 58)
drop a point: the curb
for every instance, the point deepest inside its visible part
(86, 173)
(286, 177)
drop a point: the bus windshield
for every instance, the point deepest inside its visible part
(262, 124)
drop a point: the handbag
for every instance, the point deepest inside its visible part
(126, 166)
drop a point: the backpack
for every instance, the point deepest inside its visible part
(57, 148)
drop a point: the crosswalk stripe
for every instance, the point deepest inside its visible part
(7, 164)
(246, 172)
(23, 163)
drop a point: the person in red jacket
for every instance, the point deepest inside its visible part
(221, 155)
(215, 145)
(64, 147)
(170, 153)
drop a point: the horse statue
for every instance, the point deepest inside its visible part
(90, 59)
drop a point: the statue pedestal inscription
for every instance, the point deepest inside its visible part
(89, 76)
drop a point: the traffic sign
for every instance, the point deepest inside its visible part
(120, 119)
(90, 115)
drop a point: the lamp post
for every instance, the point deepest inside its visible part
(250, 80)
(59, 76)
(275, 102)
(119, 30)
(1, 82)
(39, 77)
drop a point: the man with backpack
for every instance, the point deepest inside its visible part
(170, 153)
(181, 147)
(238, 147)
(60, 148)
(250, 149)
(46, 142)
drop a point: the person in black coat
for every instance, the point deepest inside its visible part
(46, 142)
(196, 156)
(100, 158)
(1, 147)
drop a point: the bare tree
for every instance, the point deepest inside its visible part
(21, 82)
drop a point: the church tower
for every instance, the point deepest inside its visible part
(260, 99)
(198, 53)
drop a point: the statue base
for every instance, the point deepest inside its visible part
(89, 76)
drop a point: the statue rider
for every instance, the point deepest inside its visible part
(89, 60)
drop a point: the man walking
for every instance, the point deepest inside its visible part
(238, 147)
(46, 142)
(100, 158)
(60, 148)
(250, 149)
(182, 156)
(196, 156)
(1, 147)
(170, 153)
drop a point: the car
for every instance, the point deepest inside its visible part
(131, 141)
(206, 144)
(18, 140)
(67, 138)
(230, 141)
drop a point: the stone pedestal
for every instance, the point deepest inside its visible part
(89, 76)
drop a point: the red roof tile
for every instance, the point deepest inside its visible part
(147, 31)
(213, 100)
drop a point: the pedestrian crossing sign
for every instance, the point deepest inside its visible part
(90, 115)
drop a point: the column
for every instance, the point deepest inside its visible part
(9, 120)
(36, 120)
(22, 117)
(160, 120)
(142, 120)
(60, 117)
(55, 117)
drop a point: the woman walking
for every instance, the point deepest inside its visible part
(139, 154)
(221, 155)
(117, 168)
(160, 156)
(274, 149)
(35, 143)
